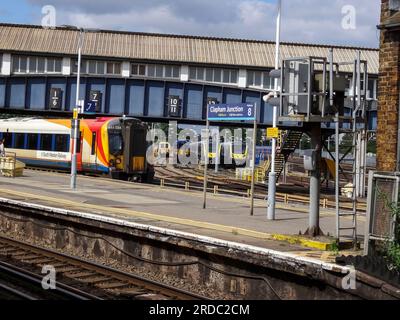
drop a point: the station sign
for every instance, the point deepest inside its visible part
(94, 103)
(174, 106)
(55, 99)
(231, 112)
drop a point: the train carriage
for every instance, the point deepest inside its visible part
(107, 145)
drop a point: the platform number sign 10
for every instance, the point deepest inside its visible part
(174, 106)
(55, 99)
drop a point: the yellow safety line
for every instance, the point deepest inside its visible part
(193, 223)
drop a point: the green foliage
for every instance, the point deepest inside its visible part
(335, 247)
(393, 245)
(393, 253)
(305, 143)
(346, 143)
(371, 147)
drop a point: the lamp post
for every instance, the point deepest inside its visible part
(75, 122)
(76, 113)
(272, 175)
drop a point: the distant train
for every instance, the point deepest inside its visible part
(230, 153)
(108, 145)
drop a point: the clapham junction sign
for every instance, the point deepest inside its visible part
(232, 111)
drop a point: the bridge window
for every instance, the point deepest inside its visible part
(138, 69)
(155, 70)
(31, 64)
(372, 91)
(229, 76)
(114, 68)
(172, 71)
(54, 65)
(372, 88)
(20, 64)
(97, 67)
(259, 79)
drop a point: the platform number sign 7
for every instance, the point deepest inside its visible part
(94, 103)
(174, 106)
(55, 99)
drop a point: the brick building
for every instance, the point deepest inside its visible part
(388, 134)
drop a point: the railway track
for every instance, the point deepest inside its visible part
(76, 278)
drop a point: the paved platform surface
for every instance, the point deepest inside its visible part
(226, 217)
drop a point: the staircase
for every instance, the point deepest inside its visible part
(290, 141)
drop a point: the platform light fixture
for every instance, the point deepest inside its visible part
(77, 109)
(267, 98)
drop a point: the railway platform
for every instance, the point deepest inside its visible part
(226, 217)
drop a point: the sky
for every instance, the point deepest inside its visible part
(335, 22)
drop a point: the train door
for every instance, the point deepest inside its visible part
(79, 151)
(93, 152)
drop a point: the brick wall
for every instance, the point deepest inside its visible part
(388, 95)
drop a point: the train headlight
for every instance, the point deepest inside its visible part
(118, 161)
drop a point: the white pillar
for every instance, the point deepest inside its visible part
(185, 73)
(242, 78)
(6, 67)
(126, 69)
(66, 66)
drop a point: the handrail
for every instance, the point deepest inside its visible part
(280, 197)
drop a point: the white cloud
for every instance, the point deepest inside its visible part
(311, 21)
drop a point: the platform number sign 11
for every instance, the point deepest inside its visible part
(55, 99)
(174, 106)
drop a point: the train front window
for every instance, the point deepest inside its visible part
(115, 142)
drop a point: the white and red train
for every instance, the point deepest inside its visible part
(107, 145)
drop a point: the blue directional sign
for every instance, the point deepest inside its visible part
(90, 107)
(231, 112)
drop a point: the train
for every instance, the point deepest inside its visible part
(112, 146)
(231, 154)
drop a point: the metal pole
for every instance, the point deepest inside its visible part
(277, 41)
(253, 160)
(271, 175)
(313, 229)
(206, 142)
(76, 121)
(217, 152)
(337, 156)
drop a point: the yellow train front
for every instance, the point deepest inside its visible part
(109, 145)
(233, 154)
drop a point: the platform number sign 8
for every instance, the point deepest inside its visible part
(55, 99)
(174, 106)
